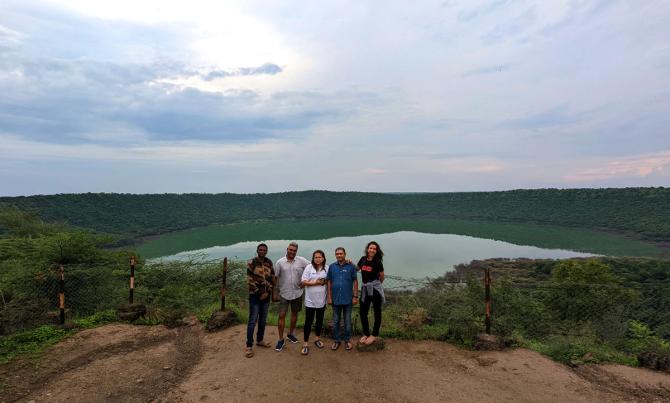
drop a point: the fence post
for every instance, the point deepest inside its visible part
(132, 280)
(487, 298)
(61, 294)
(223, 284)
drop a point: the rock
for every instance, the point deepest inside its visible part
(488, 342)
(655, 360)
(377, 345)
(131, 312)
(221, 320)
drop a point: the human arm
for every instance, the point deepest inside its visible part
(329, 278)
(355, 301)
(355, 292)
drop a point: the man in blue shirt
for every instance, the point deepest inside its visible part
(342, 295)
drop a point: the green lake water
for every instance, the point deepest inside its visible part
(413, 248)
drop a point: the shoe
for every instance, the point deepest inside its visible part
(292, 338)
(265, 344)
(248, 352)
(280, 345)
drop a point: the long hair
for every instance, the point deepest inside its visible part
(379, 256)
(323, 255)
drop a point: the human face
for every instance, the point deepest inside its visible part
(372, 250)
(262, 251)
(340, 255)
(291, 251)
(318, 259)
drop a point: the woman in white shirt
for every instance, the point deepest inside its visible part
(314, 282)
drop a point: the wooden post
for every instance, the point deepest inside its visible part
(223, 284)
(61, 295)
(132, 280)
(487, 298)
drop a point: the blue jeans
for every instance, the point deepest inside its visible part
(338, 310)
(258, 312)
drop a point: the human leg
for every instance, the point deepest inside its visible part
(347, 322)
(262, 319)
(364, 309)
(377, 307)
(309, 319)
(253, 318)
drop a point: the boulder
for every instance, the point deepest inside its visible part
(221, 320)
(377, 345)
(131, 312)
(488, 342)
(655, 360)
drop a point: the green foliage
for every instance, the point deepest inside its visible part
(575, 350)
(30, 342)
(97, 319)
(640, 212)
(642, 339)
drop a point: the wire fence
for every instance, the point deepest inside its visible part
(457, 307)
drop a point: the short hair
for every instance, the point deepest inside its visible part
(260, 245)
(340, 248)
(294, 244)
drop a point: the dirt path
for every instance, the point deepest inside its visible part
(133, 363)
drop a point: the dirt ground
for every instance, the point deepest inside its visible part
(125, 363)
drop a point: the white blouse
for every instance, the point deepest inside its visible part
(315, 295)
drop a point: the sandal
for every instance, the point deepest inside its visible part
(318, 343)
(305, 350)
(335, 346)
(362, 339)
(348, 345)
(248, 352)
(265, 344)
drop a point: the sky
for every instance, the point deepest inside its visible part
(395, 96)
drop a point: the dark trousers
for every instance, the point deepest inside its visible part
(376, 301)
(258, 312)
(309, 319)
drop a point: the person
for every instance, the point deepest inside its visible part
(342, 295)
(288, 273)
(260, 280)
(314, 281)
(372, 275)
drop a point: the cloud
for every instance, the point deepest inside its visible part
(498, 68)
(267, 68)
(634, 166)
(511, 27)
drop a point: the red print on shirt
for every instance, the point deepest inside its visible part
(366, 268)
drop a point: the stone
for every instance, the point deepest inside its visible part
(655, 360)
(377, 345)
(131, 312)
(221, 320)
(488, 342)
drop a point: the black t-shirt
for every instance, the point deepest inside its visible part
(370, 269)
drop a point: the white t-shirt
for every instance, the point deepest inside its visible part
(315, 295)
(288, 273)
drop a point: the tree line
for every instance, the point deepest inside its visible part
(643, 213)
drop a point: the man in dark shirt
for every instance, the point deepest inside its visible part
(260, 280)
(342, 295)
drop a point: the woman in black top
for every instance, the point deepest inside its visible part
(372, 272)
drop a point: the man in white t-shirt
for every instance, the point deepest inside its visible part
(288, 272)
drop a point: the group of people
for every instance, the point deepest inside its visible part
(294, 280)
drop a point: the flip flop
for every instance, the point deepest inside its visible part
(335, 346)
(248, 353)
(305, 350)
(348, 345)
(318, 343)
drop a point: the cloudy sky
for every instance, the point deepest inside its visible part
(195, 96)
